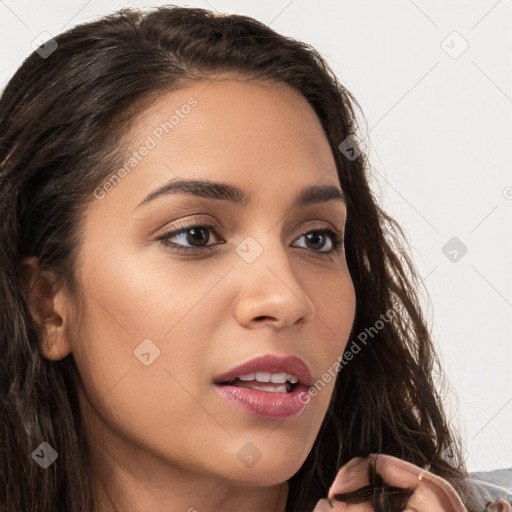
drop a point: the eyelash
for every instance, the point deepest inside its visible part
(336, 236)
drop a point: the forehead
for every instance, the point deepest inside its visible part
(261, 135)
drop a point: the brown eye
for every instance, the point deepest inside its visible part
(196, 236)
(191, 238)
(317, 239)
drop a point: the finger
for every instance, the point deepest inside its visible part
(427, 498)
(351, 476)
(395, 471)
(500, 505)
(400, 473)
(352, 490)
(323, 506)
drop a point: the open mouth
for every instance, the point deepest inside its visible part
(271, 386)
(276, 383)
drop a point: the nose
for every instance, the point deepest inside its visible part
(270, 294)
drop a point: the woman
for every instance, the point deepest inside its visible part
(278, 362)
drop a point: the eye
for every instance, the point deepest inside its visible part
(198, 235)
(318, 236)
(195, 234)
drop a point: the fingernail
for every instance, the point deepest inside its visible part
(323, 506)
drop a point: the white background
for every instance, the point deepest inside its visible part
(440, 133)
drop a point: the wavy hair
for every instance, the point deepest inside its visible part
(59, 136)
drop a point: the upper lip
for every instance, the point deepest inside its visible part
(270, 363)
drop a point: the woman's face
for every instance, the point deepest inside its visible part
(160, 327)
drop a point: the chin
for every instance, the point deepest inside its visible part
(266, 475)
(267, 465)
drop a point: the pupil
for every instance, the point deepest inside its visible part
(316, 235)
(197, 234)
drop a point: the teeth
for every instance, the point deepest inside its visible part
(266, 387)
(263, 377)
(250, 376)
(275, 378)
(278, 378)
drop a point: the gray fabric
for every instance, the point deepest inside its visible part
(492, 485)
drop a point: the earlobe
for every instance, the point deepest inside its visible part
(48, 305)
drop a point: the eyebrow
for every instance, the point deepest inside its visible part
(310, 195)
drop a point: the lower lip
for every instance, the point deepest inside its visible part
(267, 404)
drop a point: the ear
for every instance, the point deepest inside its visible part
(48, 305)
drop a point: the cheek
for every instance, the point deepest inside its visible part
(145, 324)
(336, 305)
(135, 297)
(144, 343)
(335, 317)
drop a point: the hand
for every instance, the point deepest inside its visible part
(500, 505)
(387, 484)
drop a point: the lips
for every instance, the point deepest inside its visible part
(268, 401)
(272, 364)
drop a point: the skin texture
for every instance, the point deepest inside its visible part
(160, 436)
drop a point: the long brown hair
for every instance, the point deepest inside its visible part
(59, 119)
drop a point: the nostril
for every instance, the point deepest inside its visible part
(262, 317)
